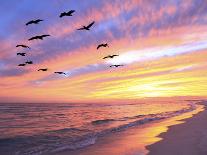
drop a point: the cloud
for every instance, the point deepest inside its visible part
(156, 53)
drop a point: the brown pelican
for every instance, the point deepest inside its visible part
(69, 13)
(86, 27)
(34, 22)
(110, 56)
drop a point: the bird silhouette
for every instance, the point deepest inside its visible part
(24, 46)
(22, 54)
(86, 27)
(110, 56)
(39, 37)
(21, 64)
(69, 13)
(102, 45)
(42, 69)
(60, 73)
(116, 65)
(28, 62)
(33, 22)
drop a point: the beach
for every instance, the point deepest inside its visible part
(188, 138)
(177, 136)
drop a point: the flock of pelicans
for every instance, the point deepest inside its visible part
(41, 37)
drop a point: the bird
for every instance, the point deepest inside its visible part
(60, 73)
(22, 54)
(28, 62)
(102, 45)
(69, 13)
(39, 37)
(42, 69)
(86, 27)
(110, 56)
(33, 22)
(116, 65)
(21, 64)
(24, 46)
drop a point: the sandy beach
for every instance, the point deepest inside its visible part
(189, 138)
(184, 132)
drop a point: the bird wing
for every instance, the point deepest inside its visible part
(71, 11)
(23, 46)
(90, 24)
(99, 46)
(119, 65)
(30, 22)
(62, 14)
(42, 69)
(39, 20)
(82, 28)
(36, 37)
(106, 57)
(21, 65)
(45, 35)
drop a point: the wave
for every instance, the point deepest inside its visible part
(97, 122)
(104, 121)
(65, 130)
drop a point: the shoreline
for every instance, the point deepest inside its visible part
(133, 140)
(188, 138)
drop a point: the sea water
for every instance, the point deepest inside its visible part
(28, 129)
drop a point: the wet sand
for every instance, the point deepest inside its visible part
(189, 138)
(133, 141)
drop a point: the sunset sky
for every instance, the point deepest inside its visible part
(162, 45)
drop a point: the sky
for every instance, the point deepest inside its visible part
(162, 45)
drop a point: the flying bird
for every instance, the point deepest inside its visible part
(110, 56)
(34, 22)
(69, 13)
(39, 37)
(24, 46)
(86, 27)
(21, 64)
(60, 73)
(28, 62)
(42, 69)
(102, 45)
(22, 54)
(116, 65)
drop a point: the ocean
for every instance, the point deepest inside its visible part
(35, 129)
